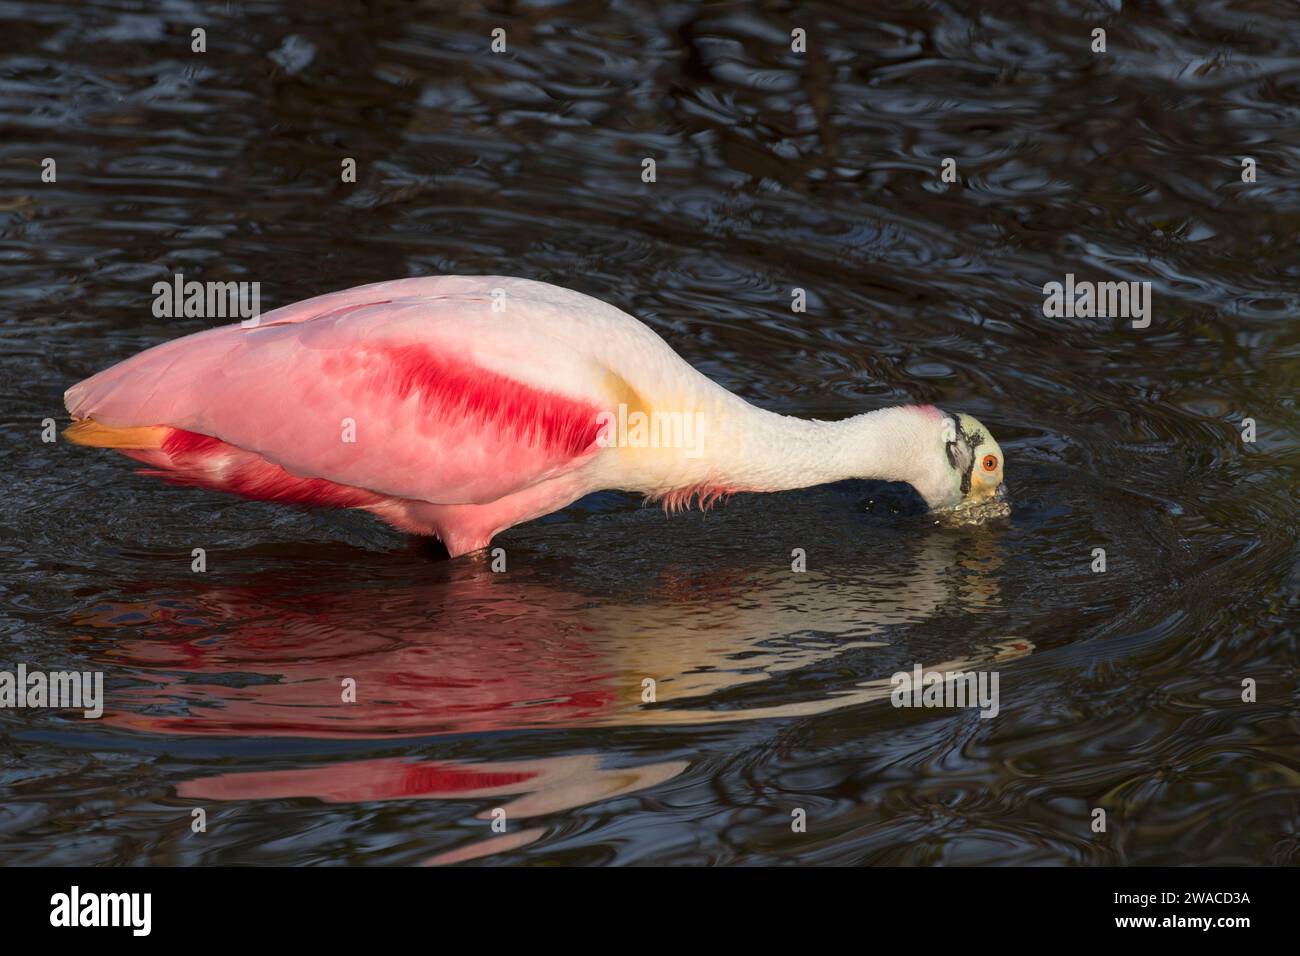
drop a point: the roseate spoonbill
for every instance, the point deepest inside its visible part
(459, 406)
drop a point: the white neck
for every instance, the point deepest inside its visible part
(779, 452)
(751, 449)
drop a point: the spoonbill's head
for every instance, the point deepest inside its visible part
(968, 476)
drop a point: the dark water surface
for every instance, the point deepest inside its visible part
(775, 170)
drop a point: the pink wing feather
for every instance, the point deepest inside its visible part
(449, 402)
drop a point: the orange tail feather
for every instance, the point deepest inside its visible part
(92, 433)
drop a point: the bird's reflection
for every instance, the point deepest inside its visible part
(477, 652)
(484, 652)
(518, 789)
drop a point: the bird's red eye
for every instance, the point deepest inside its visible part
(990, 462)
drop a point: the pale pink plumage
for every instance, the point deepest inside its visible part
(473, 403)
